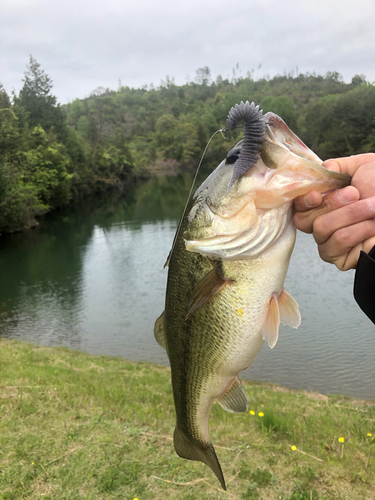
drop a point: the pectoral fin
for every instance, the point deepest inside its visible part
(234, 400)
(159, 331)
(289, 310)
(270, 328)
(211, 284)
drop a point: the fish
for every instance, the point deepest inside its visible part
(225, 291)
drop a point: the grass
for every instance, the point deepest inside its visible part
(70, 428)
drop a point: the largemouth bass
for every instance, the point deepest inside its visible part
(227, 267)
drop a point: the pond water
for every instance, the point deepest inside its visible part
(93, 280)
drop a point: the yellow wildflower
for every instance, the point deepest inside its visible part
(341, 439)
(252, 412)
(294, 448)
(369, 434)
(261, 414)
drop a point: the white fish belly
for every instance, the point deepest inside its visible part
(267, 274)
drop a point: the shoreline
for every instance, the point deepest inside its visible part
(76, 425)
(267, 384)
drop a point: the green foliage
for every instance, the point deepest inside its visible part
(36, 98)
(51, 155)
(274, 423)
(304, 495)
(251, 493)
(46, 164)
(343, 125)
(46, 159)
(283, 106)
(262, 477)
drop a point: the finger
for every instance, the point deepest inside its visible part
(308, 201)
(344, 246)
(351, 260)
(350, 164)
(327, 224)
(332, 201)
(332, 165)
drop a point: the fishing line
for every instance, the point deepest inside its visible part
(222, 130)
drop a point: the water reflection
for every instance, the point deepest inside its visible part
(94, 280)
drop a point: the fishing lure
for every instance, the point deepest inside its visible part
(253, 136)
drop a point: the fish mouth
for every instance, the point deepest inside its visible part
(278, 131)
(244, 222)
(294, 169)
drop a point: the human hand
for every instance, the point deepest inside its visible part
(342, 222)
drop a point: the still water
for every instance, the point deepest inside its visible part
(93, 280)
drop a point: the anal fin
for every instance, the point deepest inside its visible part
(211, 284)
(289, 310)
(234, 400)
(270, 328)
(159, 331)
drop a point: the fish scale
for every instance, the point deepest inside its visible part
(227, 268)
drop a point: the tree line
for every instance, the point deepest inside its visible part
(52, 155)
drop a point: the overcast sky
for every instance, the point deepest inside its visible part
(84, 44)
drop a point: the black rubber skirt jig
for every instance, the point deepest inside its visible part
(253, 136)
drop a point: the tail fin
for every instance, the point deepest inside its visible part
(202, 452)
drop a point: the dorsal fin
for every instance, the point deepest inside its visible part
(211, 284)
(234, 400)
(159, 331)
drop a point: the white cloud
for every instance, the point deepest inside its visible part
(84, 44)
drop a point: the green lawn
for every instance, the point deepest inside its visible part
(76, 426)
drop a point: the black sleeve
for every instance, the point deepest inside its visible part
(364, 283)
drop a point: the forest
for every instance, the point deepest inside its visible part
(53, 155)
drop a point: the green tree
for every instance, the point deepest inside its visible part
(167, 136)
(36, 98)
(358, 79)
(190, 143)
(203, 76)
(283, 106)
(76, 110)
(46, 164)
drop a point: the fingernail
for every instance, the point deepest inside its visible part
(347, 195)
(310, 201)
(331, 165)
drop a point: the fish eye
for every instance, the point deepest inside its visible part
(232, 156)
